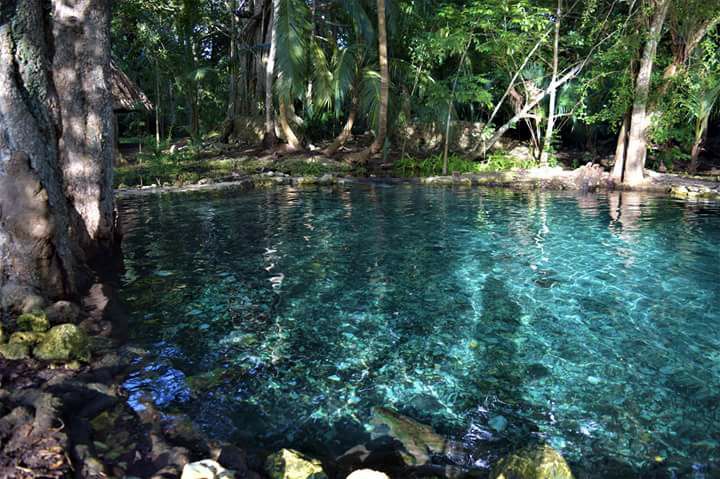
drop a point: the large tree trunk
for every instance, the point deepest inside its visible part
(636, 150)
(56, 145)
(270, 138)
(379, 142)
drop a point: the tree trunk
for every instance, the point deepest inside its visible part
(695, 156)
(56, 145)
(293, 142)
(157, 105)
(270, 138)
(621, 150)
(544, 156)
(81, 75)
(379, 142)
(639, 121)
(347, 129)
(232, 109)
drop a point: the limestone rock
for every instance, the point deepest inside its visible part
(14, 351)
(367, 474)
(536, 462)
(63, 312)
(419, 440)
(36, 322)
(207, 469)
(291, 464)
(64, 343)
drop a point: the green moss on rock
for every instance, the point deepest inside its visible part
(14, 351)
(26, 338)
(536, 462)
(36, 322)
(291, 464)
(63, 343)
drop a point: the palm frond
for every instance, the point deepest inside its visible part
(293, 26)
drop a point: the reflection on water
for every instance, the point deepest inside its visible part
(281, 317)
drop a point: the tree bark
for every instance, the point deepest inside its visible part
(270, 138)
(639, 122)
(379, 142)
(620, 150)
(544, 156)
(56, 144)
(293, 142)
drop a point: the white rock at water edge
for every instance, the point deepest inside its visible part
(207, 469)
(368, 474)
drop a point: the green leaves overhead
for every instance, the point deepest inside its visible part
(293, 45)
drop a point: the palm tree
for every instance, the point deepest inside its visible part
(702, 102)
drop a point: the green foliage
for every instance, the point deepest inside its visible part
(433, 165)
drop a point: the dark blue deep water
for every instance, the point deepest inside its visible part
(280, 317)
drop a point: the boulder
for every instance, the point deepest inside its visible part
(63, 343)
(233, 458)
(535, 462)
(36, 322)
(14, 351)
(291, 464)
(63, 312)
(28, 339)
(419, 441)
(207, 469)
(367, 474)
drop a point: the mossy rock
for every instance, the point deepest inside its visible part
(536, 462)
(36, 322)
(14, 351)
(291, 464)
(63, 343)
(28, 339)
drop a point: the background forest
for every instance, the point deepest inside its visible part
(578, 80)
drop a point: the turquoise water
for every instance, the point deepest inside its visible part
(280, 317)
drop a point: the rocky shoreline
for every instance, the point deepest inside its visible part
(587, 179)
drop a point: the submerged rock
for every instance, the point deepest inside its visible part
(63, 343)
(36, 322)
(207, 469)
(536, 462)
(14, 351)
(291, 464)
(419, 441)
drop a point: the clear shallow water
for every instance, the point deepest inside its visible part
(280, 317)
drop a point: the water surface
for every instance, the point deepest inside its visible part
(280, 317)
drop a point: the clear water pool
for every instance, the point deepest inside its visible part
(280, 317)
